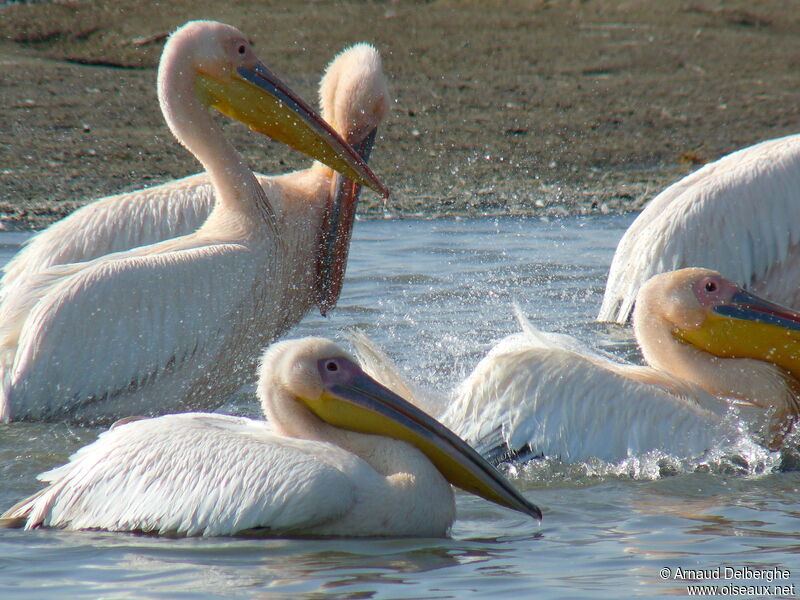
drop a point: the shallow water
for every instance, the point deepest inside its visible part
(435, 295)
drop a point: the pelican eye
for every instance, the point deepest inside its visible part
(711, 286)
(241, 49)
(331, 366)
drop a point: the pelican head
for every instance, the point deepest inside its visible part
(354, 97)
(226, 75)
(327, 385)
(714, 314)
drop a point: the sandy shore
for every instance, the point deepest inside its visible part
(552, 107)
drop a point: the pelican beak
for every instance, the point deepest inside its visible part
(352, 400)
(337, 228)
(747, 326)
(257, 98)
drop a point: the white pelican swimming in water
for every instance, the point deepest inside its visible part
(177, 324)
(341, 456)
(354, 98)
(739, 215)
(709, 345)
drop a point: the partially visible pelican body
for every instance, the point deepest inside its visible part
(739, 215)
(341, 456)
(354, 99)
(178, 323)
(709, 345)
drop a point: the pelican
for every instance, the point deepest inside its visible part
(176, 324)
(341, 456)
(739, 215)
(710, 347)
(354, 98)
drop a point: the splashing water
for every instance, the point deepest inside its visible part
(436, 295)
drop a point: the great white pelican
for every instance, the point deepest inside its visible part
(709, 345)
(739, 215)
(711, 348)
(354, 99)
(179, 323)
(341, 456)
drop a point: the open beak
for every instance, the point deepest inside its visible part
(257, 98)
(750, 327)
(337, 229)
(353, 400)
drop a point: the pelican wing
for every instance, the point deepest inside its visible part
(194, 474)
(147, 314)
(115, 224)
(563, 404)
(739, 215)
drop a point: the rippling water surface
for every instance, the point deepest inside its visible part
(435, 295)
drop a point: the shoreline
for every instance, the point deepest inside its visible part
(531, 107)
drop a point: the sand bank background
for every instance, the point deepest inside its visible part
(536, 107)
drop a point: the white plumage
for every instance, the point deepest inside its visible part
(207, 474)
(136, 338)
(553, 395)
(739, 216)
(114, 224)
(558, 397)
(196, 474)
(353, 99)
(178, 323)
(561, 399)
(574, 405)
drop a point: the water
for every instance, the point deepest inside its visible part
(435, 295)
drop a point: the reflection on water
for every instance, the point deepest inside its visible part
(435, 295)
